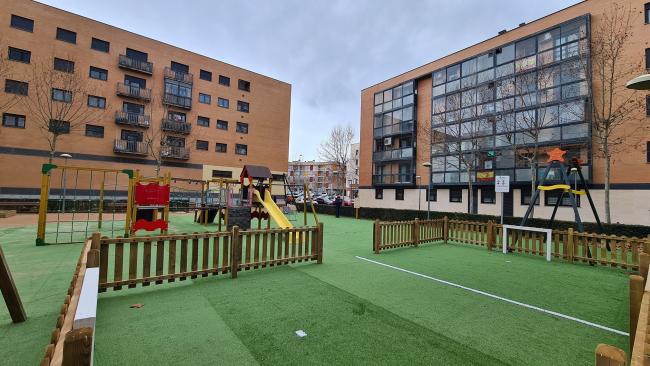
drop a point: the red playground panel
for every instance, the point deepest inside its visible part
(143, 224)
(151, 194)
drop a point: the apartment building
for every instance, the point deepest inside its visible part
(352, 172)
(207, 118)
(318, 176)
(479, 98)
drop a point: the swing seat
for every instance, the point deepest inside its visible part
(554, 187)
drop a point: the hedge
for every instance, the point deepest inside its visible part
(389, 214)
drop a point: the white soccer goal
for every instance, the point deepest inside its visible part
(549, 235)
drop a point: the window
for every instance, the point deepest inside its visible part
(399, 194)
(174, 141)
(455, 195)
(19, 22)
(244, 85)
(13, 120)
(179, 67)
(221, 174)
(205, 98)
(137, 55)
(95, 131)
(647, 147)
(135, 82)
(222, 125)
(16, 54)
(203, 121)
(221, 148)
(96, 102)
(223, 103)
(241, 149)
(63, 65)
(224, 80)
(97, 73)
(16, 87)
(647, 105)
(432, 194)
(132, 136)
(379, 193)
(647, 58)
(59, 127)
(100, 45)
(551, 197)
(202, 145)
(488, 195)
(242, 106)
(205, 75)
(133, 108)
(647, 13)
(66, 35)
(526, 196)
(61, 95)
(242, 127)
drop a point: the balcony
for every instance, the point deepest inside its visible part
(177, 101)
(183, 77)
(133, 91)
(396, 154)
(379, 179)
(132, 119)
(169, 125)
(134, 64)
(395, 129)
(130, 147)
(175, 152)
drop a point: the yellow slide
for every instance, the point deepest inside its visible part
(273, 209)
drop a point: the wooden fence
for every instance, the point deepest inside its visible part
(569, 245)
(157, 259)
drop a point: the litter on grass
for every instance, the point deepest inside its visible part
(301, 333)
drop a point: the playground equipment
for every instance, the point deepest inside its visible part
(76, 201)
(9, 292)
(216, 196)
(149, 200)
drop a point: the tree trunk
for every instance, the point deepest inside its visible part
(158, 164)
(52, 149)
(608, 161)
(471, 193)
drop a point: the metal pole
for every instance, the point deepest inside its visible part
(429, 193)
(503, 205)
(419, 193)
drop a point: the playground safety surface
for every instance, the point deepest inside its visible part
(353, 311)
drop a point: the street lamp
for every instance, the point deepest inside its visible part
(639, 83)
(65, 157)
(418, 180)
(427, 164)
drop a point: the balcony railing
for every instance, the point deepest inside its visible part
(133, 91)
(183, 77)
(177, 101)
(396, 154)
(132, 119)
(378, 179)
(134, 64)
(174, 152)
(176, 126)
(396, 129)
(130, 147)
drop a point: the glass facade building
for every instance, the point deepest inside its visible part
(491, 111)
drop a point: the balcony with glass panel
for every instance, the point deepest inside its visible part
(133, 91)
(177, 101)
(130, 147)
(170, 125)
(395, 154)
(390, 179)
(126, 62)
(175, 152)
(132, 119)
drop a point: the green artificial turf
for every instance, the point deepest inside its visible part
(353, 312)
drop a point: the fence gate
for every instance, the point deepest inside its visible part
(77, 201)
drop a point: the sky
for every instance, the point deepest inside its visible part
(327, 50)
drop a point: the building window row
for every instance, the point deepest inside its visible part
(16, 87)
(16, 54)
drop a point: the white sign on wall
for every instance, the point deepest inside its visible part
(502, 183)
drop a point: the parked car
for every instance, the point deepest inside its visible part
(347, 201)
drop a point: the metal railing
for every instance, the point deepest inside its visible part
(170, 125)
(175, 152)
(130, 147)
(395, 129)
(392, 179)
(133, 91)
(177, 101)
(134, 64)
(183, 77)
(132, 119)
(396, 154)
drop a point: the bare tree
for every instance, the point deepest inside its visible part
(5, 70)
(336, 149)
(57, 102)
(612, 105)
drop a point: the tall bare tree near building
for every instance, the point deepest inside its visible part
(612, 105)
(5, 70)
(57, 102)
(336, 149)
(155, 139)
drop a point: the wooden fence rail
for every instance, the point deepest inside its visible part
(157, 259)
(569, 245)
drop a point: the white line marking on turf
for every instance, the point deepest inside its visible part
(499, 297)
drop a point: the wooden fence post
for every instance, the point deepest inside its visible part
(376, 236)
(77, 347)
(644, 261)
(235, 254)
(320, 243)
(415, 232)
(569, 244)
(607, 355)
(9, 292)
(92, 260)
(636, 295)
(490, 235)
(445, 229)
